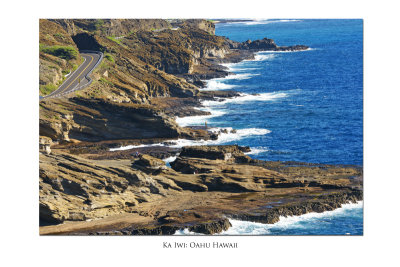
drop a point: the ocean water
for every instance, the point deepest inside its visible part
(311, 102)
(341, 221)
(303, 106)
(294, 106)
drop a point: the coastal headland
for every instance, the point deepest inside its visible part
(151, 73)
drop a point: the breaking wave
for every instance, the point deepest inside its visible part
(245, 98)
(302, 222)
(217, 84)
(262, 21)
(257, 150)
(223, 137)
(262, 57)
(240, 76)
(254, 228)
(200, 119)
(237, 67)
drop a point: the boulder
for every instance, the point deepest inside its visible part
(148, 163)
(44, 144)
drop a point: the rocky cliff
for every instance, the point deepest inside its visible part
(206, 184)
(149, 75)
(143, 60)
(53, 65)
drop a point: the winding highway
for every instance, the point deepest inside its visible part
(80, 77)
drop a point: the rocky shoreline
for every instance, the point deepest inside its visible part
(205, 186)
(87, 187)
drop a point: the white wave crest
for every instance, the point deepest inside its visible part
(243, 98)
(240, 76)
(217, 84)
(263, 57)
(238, 67)
(257, 150)
(135, 146)
(260, 56)
(284, 20)
(277, 52)
(223, 137)
(254, 228)
(186, 232)
(200, 119)
(229, 136)
(263, 21)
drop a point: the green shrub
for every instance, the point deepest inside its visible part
(47, 89)
(65, 52)
(98, 24)
(59, 35)
(109, 57)
(112, 38)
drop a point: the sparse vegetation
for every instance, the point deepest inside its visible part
(78, 94)
(99, 24)
(105, 81)
(112, 38)
(109, 57)
(59, 35)
(95, 92)
(65, 52)
(47, 89)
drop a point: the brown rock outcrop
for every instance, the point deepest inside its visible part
(45, 144)
(135, 94)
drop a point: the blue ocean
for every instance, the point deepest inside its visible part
(294, 106)
(346, 220)
(303, 106)
(311, 102)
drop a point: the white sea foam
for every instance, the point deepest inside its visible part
(200, 119)
(257, 150)
(186, 232)
(254, 228)
(277, 52)
(262, 57)
(169, 159)
(238, 67)
(217, 84)
(240, 76)
(135, 146)
(223, 137)
(285, 20)
(229, 136)
(263, 21)
(243, 98)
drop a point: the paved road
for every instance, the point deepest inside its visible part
(78, 79)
